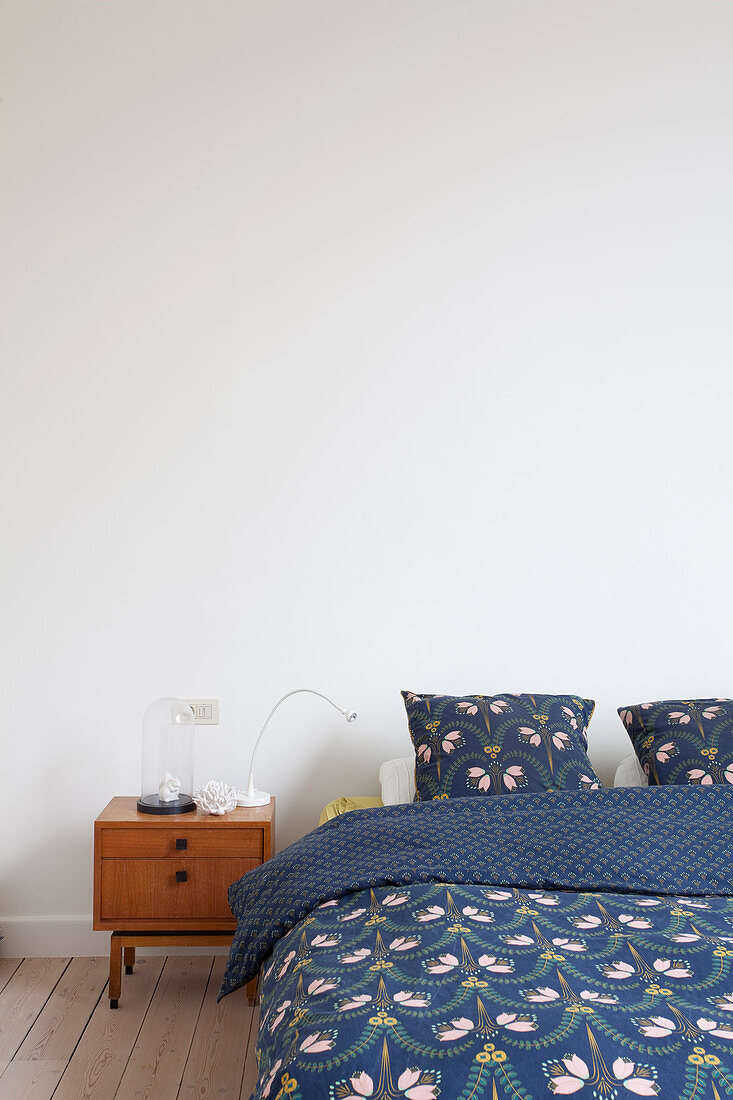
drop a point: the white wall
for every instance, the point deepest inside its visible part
(355, 345)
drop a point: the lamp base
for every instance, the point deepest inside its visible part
(257, 798)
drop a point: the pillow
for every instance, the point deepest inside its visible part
(496, 744)
(397, 780)
(682, 740)
(630, 773)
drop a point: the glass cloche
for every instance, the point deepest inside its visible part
(167, 780)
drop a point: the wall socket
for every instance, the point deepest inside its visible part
(205, 711)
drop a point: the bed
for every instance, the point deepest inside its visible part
(515, 947)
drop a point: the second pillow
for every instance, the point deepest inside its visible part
(498, 744)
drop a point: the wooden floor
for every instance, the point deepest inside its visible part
(168, 1039)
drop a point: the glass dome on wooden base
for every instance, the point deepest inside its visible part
(168, 741)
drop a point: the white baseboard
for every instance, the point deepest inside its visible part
(26, 937)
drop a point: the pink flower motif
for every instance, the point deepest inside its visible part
(698, 775)
(657, 1027)
(473, 913)
(618, 970)
(317, 1042)
(267, 1084)
(728, 773)
(359, 1000)
(725, 1002)
(433, 912)
(713, 1029)
(589, 784)
(589, 922)
(542, 899)
(496, 966)
(627, 717)
(512, 1021)
(481, 777)
(530, 736)
(679, 717)
(414, 1086)
(572, 716)
(684, 937)
(568, 945)
(568, 1075)
(362, 1084)
(411, 1000)
(456, 1029)
(286, 963)
(598, 998)
(320, 985)
(467, 708)
(357, 956)
(519, 941)
(279, 1015)
(450, 741)
(498, 706)
(352, 915)
(560, 739)
(498, 895)
(642, 1084)
(664, 966)
(442, 964)
(544, 995)
(395, 899)
(513, 777)
(634, 922)
(711, 712)
(423, 753)
(401, 943)
(325, 941)
(666, 751)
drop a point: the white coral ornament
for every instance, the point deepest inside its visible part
(215, 797)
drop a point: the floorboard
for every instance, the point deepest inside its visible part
(23, 998)
(158, 1059)
(7, 969)
(98, 1063)
(34, 1080)
(216, 1061)
(250, 1066)
(66, 1013)
(168, 1040)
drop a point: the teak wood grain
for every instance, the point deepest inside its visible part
(176, 842)
(148, 891)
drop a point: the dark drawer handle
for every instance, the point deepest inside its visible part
(181, 876)
(181, 844)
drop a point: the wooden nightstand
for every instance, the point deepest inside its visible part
(161, 881)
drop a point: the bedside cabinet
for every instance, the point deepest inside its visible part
(161, 881)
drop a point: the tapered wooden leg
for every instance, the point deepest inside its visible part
(115, 969)
(129, 955)
(252, 990)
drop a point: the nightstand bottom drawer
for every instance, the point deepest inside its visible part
(169, 889)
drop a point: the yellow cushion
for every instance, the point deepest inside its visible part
(346, 803)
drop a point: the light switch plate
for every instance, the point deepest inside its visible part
(205, 711)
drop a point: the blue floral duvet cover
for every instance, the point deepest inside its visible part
(513, 947)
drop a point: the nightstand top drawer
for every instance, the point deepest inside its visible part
(178, 840)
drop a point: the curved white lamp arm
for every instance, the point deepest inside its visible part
(253, 797)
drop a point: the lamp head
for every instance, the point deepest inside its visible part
(350, 715)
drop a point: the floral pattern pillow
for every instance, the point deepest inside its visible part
(682, 740)
(499, 744)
